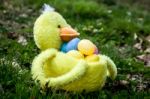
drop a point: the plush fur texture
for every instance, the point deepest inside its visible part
(43, 74)
(58, 70)
(46, 30)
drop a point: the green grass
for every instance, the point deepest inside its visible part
(111, 26)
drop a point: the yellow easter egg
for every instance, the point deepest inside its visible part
(92, 58)
(86, 47)
(75, 54)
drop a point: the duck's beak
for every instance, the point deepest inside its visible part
(67, 33)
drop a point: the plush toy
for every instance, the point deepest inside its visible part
(72, 70)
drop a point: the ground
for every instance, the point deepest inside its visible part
(121, 30)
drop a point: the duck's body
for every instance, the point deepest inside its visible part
(93, 79)
(91, 76)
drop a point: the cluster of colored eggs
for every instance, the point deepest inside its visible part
(78, 48)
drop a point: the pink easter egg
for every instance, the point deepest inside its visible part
(96, 51)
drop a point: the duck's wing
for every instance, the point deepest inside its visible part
(38, 74)
(112, 69)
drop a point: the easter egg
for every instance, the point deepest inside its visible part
(86, 47)
(63, 47)
(96, 50)
(72, 45)
(75, 54)
(92, 58)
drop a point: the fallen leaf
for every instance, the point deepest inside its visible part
(148, 38)
(136, 77)
(124, 82)
(141, 86)
(24, 15)
(148, 64)
(16, 65)
(22, 40)
(138, 46)
(128, 76)
(147, 50)
(145, 58)
(135, 36)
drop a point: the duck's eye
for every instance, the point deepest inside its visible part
(59, 26)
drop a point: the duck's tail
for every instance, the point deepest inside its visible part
(112, 70)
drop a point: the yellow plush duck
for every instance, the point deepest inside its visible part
(58, 70)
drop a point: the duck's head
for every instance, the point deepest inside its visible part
(50, 29)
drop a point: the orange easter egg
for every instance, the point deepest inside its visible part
(86, 47)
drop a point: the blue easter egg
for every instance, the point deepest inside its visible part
(63, 47)
(72, 45)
